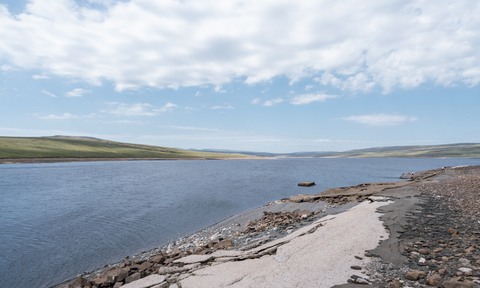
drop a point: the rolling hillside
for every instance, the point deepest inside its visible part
(87, 147)
(450, 150)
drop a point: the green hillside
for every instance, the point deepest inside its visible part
(84, 147)
(450, 150)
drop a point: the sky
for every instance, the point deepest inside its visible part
(256, 75)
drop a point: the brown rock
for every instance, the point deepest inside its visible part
(413, 275)
(469, 250)
(436, 250)
(434, 280)
(441, 271)
(132, 277)
(423, 251)
(116, 275)
(80, 281)
(452, 231)
(453, 283)
(395, 284)
(158, 260)
(145, 266)
(223, 244)
(100, 281)
(118, 285)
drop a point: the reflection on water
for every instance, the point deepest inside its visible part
(58, 220)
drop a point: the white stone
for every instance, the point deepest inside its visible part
(422, 260)
(464, 269)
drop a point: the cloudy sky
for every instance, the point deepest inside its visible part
(258, 75)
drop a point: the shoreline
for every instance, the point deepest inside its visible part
(395, 203)
(64, 160)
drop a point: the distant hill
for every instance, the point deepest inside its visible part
(450, 150)
(89, 147)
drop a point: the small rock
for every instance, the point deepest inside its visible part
(361, 281)
(423, 251)
(356, 267)
(415, 274)
(453, 283)
(434, 280)
(465, 269)
(395, 284)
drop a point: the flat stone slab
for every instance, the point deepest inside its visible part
(194, 259)
(226, 253)
(146, 282)
(318, 255)
(173, 270)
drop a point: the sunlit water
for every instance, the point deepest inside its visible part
(58, 220)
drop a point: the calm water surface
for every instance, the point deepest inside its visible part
(58, 220)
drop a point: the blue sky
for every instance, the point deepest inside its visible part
(273, 76)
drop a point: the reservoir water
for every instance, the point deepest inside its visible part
(58, 220)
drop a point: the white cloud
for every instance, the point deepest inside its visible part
(66, 116)
(273, 102)
(212, 42)
(223, 107)
(48, 93)
(218, 88)
(190, 128)
(37, 77)
(197, 94)
(309, 98)
(190, 108)
(255, 101)
(77, 92)
(5, 67)
(381, 119)
(308, 87)
(137, 109)
(167, 107)
(126, 122)
(336, 141)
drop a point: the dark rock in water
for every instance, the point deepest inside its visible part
(306, 184)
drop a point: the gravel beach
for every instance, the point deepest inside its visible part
(416, 233)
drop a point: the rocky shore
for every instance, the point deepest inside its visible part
(421, 232)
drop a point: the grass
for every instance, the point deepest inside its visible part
(452, 150)
(69, 147)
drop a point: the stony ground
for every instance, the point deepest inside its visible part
(441, 242)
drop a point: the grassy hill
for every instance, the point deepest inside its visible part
(450, 150)
(85, 147)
